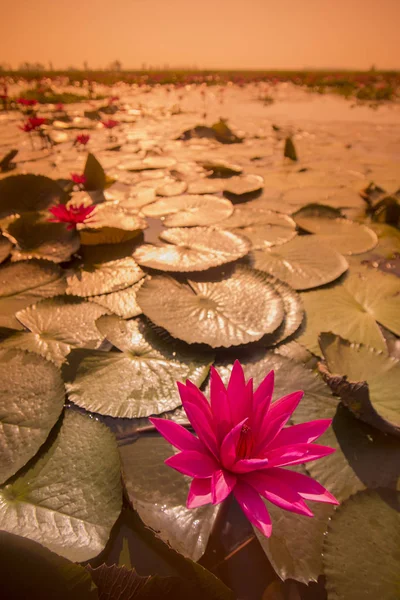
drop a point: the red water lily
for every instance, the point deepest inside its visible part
(78, 178)
(242, 445)
(32, 123)
(82, 139)
(109, 124)
(71, 215)
(26, 102)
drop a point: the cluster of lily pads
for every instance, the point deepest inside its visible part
(154, 287)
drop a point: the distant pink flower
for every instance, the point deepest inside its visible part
(82, 139)
(242, 447)
(113, 99)
(110, 124)
(71, 215)
(32, 123)
(78, 179)
(60, 107)
(26, 102)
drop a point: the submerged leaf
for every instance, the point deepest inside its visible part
(70, 497)
(229, 309)
(192, 249)
(303, 262)
(140, 380)
(31, 400)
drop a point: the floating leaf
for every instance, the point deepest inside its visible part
(344, 235)
(206, 186)
(303, 263)
(24, 283)
(56, 326)
(368, 523)
(140, 380)
(123, 303)
(35, 237)
(221, 167)
(94, 173)
(162, 507)
(293, 313)
(93, 279)
(6, 163)
(353, 310)
(25, 193)
(224, 134)
(148, 163)
(173, 188)
(265, 236)
(5, 248)
(111, 224)
(366, 380)
(245, 216)
(31, 400)
(243, 184)
(234, 308)
(190, 210)
(70, 497)
(192, 249)
(290, 150)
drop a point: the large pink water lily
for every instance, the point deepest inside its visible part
(242, 445)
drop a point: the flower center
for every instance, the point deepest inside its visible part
(245, 443)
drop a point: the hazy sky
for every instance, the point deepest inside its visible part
(206, 33)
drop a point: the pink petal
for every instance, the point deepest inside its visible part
(219, 405)
(198, 397)
(236, 392)
(262, 400)
(229, 444)
(282, 408)
(305, 486)
(202, 426)
(296, 454)
(304, 433)
(177, 435)
(270, 431)
(253, 507)
(222, 483)
(192, 463)
(286, 404)
(245, 465)
(199, 493)
(278, 492)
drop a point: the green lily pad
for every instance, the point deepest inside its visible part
(303, 262)
(140, 380)
(190, 210)
(162, 507)
(344, 235)
(353, 310)
(56, 326)
(5, 248)
(26, 193)
(25, 283)
(243, 184)
(122, 303)
(35, 237)
(70, 497)
(94, 279)
(31, 400)
(229, 309)
(366, 380)
(95, 176)
(368, 522)
(192, 249)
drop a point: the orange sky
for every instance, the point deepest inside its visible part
(207, 33)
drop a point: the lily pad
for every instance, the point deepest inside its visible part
(353, 310)
(26, 193)
(192, 249)
(370, 523)
(35, 237)
(221, 168)
(245, 216)
(148, 163)
(56, 326)
(93, 279)
(24, 283)
(122, 303)
(162, 507)
(303, 262)
(190, 210)
(366, 380)
(173, 188)
(140, 380)
(243, 184)
(293, 313)
(111, 224)
(5, 248)
(229, 309)
(70, 497)
(31, 400)
(206, 186)
(94, 173)
(344, 235)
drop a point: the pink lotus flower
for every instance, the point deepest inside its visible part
(26, 102)
(60, 107)
(32, 124)
(242, 446)
(113, 99)
(82, 139)
(78, 179)
(110, 124)
(71, 215)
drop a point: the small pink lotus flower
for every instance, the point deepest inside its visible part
(71, 215)
(26, 102)
(60, 107)
(242, 446)
(109, 124)
(81, 139)
(32, 124)
(78, 178)
(113, 99)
